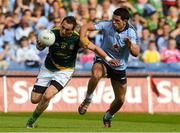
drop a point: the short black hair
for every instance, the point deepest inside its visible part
(70, 20)
(5, 44)
(23, 38)
(123, 13)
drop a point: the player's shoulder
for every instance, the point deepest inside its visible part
(131, 27)
(55, 30)
(75, 35)
(103, 22)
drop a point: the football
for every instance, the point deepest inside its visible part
(46, 37)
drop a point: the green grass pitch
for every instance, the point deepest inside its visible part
(91, 122)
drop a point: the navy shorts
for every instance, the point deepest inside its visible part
(119, 75)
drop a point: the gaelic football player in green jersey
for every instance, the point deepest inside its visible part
(59, 65)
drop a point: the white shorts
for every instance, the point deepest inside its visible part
(45, 77)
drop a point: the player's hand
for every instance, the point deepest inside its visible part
(114, 62)
(127, 42)
(39, 45)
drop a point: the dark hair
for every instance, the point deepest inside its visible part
(23, 38)
(123, 13)
(5, 44)
(70, 20)
(152, 41)
(26, 10)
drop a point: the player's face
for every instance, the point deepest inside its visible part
(118, 23)
(66, 29)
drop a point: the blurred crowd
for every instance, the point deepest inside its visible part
(157, 23)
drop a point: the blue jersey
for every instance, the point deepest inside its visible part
(113, 42)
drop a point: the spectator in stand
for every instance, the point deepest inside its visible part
(159, 31)
(62, 13)
(171, 53)
(54, 10)
(41, 22)
(151, 55)
(162, 41)
(9, 31)
(157, 4)
(83, 12)
(32, 44)
(107, 8)
(138, 22)
(28, 18)
(5, 6)
(19, 7)
(167, 4)
(74, 5)
(32, 39)
(23, 30)
(45, 6)
(172, 17)
(115, 3)
(87, 58)
(152, 22)
(144, 40)
(92, 15)
(176, 34)
(94, 4)
(25, 54)
(6, 55)
(144, 8)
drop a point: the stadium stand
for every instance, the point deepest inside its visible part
(157, 21)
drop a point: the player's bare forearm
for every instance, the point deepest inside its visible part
(85, 43)
(133, 48)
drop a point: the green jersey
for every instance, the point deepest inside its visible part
(62, 54)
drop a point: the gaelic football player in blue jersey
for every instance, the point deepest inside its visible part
(119, 39)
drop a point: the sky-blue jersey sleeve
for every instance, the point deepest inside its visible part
(101, 25)
(132, 34)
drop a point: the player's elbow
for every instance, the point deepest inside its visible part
(84, 46)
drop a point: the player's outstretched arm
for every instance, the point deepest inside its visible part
(85, 43)
(85, 28)
(88, 44)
